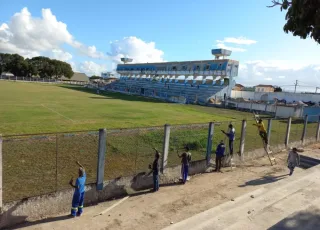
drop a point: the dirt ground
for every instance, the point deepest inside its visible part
(176, 202)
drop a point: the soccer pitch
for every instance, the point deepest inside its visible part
(41, 108)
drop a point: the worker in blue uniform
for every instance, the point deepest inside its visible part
(79, 190)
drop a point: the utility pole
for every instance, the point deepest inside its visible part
(295, 86)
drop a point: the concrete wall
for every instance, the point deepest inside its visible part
(60, 202)
(289, 97)
(286, 111)
(278, 110)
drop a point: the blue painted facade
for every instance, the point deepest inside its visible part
(312, 112)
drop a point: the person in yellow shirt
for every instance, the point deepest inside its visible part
(262, 131)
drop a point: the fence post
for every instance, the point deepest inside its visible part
(303, 138)
(165, 147)
(318, 130)
(101, 157)
(286, 142)
(242, 139)
(269, 130)
(1, 174)
(209, 141)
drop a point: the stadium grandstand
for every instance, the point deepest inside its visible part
(188, 82)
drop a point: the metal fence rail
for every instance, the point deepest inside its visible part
(35, 164)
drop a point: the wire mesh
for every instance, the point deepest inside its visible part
(312, 127)
(278, 131)
(73, 147)
(29, 166)
(253, 139)
(219, 136)
(131, 151)
(122, 150)
(148, 139)
(296, 130)
(194, 136)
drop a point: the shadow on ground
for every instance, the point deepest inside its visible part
(305, 220)
(43, 221)
(264, 180)
(111, 95)
(308, 162)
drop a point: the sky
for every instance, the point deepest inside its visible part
(93, 35)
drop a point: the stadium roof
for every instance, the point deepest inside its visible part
(178, 62)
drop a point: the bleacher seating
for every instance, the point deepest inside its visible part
(181, 91)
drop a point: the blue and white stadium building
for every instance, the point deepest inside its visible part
(189, 82)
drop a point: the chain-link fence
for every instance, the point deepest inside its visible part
(29, 166)
(278, 131)
(296, 130)
(39, 164)
(72, 147)
(312, 126)
(131, 150)
(194, 137)
(43, 163)
(220, 131)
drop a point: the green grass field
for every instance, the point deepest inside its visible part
(45, 162)
(40, 108)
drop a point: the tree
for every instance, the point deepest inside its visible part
(37, 66)
(16, 65)
(303, 17)
(277, 89)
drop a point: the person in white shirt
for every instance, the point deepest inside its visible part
(293, 160)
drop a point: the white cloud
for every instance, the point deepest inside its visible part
(91, 68)
(279, 72)
(239, 41)
(61, 55)
(235, 49)
(135, 48)
(31, 36)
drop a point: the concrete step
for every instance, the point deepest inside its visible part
(225, 215)
(274, 216)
